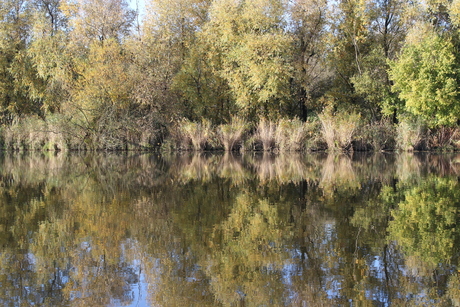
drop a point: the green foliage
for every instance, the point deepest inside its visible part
(250, 50)
(425, 222)
(426, 77)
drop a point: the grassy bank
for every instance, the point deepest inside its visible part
(326, 132)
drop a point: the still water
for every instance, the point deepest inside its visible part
(225, 230)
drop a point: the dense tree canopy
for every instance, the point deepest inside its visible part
(97, 63)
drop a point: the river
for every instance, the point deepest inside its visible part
(247, 229)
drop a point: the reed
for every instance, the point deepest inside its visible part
(339, 129)
(409, 135)
(266, 134)
(196, 133)
(290, 135)
(231, 135)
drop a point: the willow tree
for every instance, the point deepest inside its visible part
(15, 23)
(349, 41)
(100, 87)
(250, 49)
(167, 34)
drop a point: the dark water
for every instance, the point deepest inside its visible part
(220, 230)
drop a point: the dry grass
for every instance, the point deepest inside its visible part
(409, 135)
(33, 133)
(231, 135)
(266, 134)
(338, 129)
(196, 133)
(290, 135)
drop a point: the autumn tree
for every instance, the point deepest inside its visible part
(15, 68)
(162, 50)
(349, 43)
(250, 49)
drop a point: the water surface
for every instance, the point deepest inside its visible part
(226, 230)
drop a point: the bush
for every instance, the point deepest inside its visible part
(443, 138)
(379, 135)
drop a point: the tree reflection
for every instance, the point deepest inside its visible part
(425, 222)
(226, 230)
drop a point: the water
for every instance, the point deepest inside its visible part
(226, 230)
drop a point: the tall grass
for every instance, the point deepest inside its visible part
(196, 133)
(266, 134)
(231, 135)
(290, 135)
(410, 135)
(33, 133)
(338, 129)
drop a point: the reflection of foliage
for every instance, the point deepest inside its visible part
(86, 246)
(338, 173)
(425, 223)
(226, 230)
(454, 290)
(250, 256)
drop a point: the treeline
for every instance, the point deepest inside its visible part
(348, 74)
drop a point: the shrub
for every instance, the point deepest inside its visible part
(379, 135)
(443, 137)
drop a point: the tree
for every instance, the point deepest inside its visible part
(250, 49)
(389, 21)
(426, 76)
(98, 20)
(15, 67)
(309, 19)
(349, 43)
(159, 51)
(425, 222)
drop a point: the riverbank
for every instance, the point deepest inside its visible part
(326, 132)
